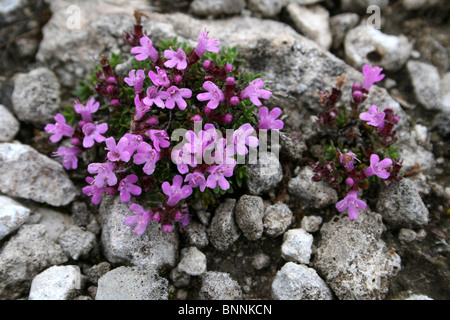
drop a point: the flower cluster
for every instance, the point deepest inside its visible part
(360, 163)
(172, 92)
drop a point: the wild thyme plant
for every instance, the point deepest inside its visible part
(361, 152)
(171, 133)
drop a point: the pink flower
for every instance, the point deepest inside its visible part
(378, 167)
(159, 78)
(269, 120)
(93, 190)
(175, 192)
(118, 152)
(105, 173)
(135, 79)
(254, 92)
(176, 95)
(93, 132)
(59, 129)
(196, 179)
(218, 175)
(69, 155)
(140, 218)
(182, 158)
(375, 117)
(155, 97)
(177, 59)
(146, 50)
(352, 204)
(127, 187)
(371, 75)
(242, 138)
(146, 154)
(206, 44)
(160, 138)
(347, 160)
(141, 107)
(133, 141)
(214, 95)
(87, 111)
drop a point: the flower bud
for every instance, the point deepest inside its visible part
(177, 79)
(228, 68)
(76, 141)
(227, 118)
(230, 81)
(167, 228)
(197, 117)
(234, 100)
(207, 64)
(152, 121)
(349, 181)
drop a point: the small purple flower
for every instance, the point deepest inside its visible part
(206, 44)
(182, 159)
(140, 218)
(175, 192)
(218, 174)
(155, 96)
(59, 129)
(105, 172)
(177, 96)
(133, 142)
(146, 154)
(177, 59)
(371, 75)
(127, 187)
(254, 92)
(93, 190)
(141, 108)
(347, 159)
(352, 204)
(87, 111)
(214, 95)
(146, 50)
(374, 117)
(160, 138)
(378, 167)
(196, 179)
(269, 120)
(119, 151)
(159, 78)
(69, 155)
(135, 79)
(242, 138)
(93, 132)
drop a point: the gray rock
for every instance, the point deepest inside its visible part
(219, 286)
(304, 2)
(97, 271)
(249, 214)
(264, 175)
(193, 261)
(223, 230)
(361, 6)
(340, 24)
(313, 22)
(407, 235)
(445, 93)
(266, 8)
(420, 4)
(354, 261)
(315, 194)
(77, 243)
(132, 283)
(298, 282)
(278, 217)
(27, 174)
(413, 154)
(12, 216)
(56, 222)
(260, 261)
(24, 256)
(292, 144)
(401, 205)
(311, 223)
(36, 96)
(425, 81)
(11, 11)
(9, 126)
(367, 45)
(418, 297)
(179, 278)
(154, 249)
(195, 234)
(216, 8)
(297, 246)
(56, 283)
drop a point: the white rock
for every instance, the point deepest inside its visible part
(77, 243)
(445, 92)
(56, 283)
(193, 261)
(223, 230)
(367, 45)
(297, 246)
(266, 8)
(298, 282)
(311, 223)
(425, 80)
(9, 126)
(214, 8)
(219, 286)
(340, 24)
(313, 22)
(278, 217)
(12, 216)
(265, 174)
(27, 174)
(249, 213)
